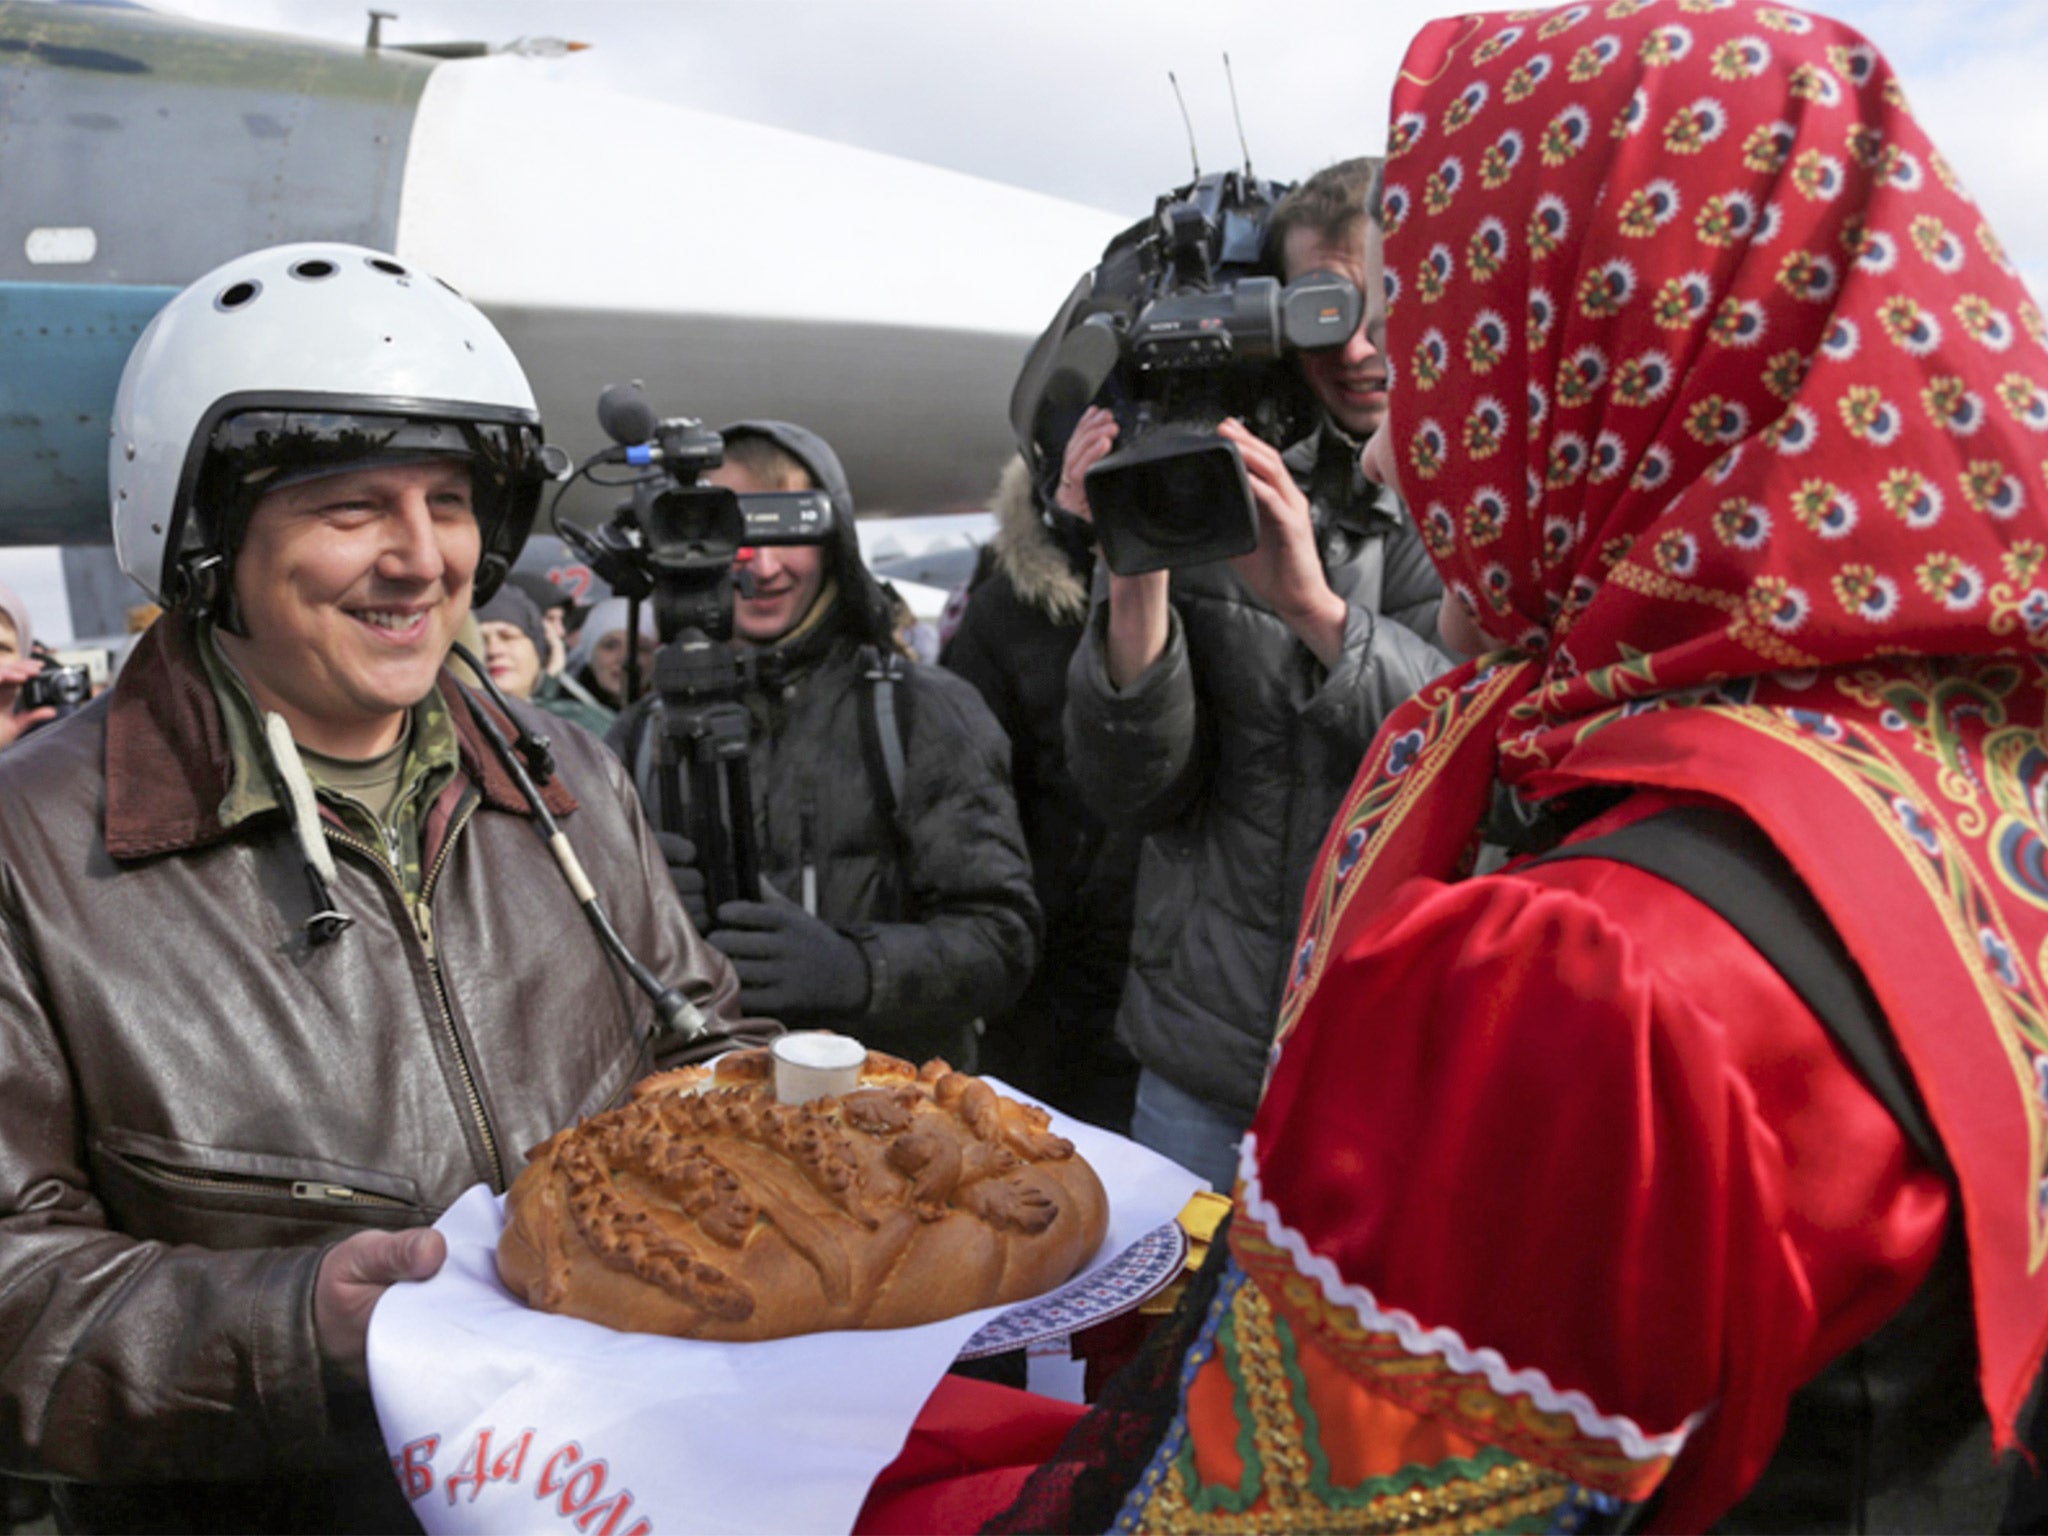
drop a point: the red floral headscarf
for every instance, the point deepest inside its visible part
(1716, 395)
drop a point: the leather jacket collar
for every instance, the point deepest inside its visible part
(169, 764)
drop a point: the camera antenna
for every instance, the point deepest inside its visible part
(1187, 122)
(1231, 80)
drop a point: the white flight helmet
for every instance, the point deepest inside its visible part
(308, 359)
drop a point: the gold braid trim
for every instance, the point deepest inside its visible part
(1288, 1499)
(1276, 1430)
(1500, 1499)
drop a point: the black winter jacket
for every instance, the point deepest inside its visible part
(1232, 753)
(939, 895)
(1022, 618)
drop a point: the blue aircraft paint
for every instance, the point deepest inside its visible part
(179, 145)
(65, 345)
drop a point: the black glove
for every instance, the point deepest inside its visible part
(790, 963)
(681, 854)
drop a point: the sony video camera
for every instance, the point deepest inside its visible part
(677, 539)
(1181, 324)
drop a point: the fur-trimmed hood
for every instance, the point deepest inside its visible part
(1045, 573)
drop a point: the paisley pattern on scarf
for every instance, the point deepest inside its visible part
(1719, 403)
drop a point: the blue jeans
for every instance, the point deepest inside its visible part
(1193, 1132)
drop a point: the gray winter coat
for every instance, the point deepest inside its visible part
(1233, 753)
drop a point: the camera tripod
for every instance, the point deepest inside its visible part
(704, 729)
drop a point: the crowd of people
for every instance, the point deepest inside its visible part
(1576, 883)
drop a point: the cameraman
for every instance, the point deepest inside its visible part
(1222, 710)
(17, 666)
(900, 912)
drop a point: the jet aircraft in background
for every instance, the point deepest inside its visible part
(737, 270)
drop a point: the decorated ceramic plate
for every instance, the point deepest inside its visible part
(1140, 1271)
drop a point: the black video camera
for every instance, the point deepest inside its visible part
(64, 688)
(677, 539)
(1181, 325)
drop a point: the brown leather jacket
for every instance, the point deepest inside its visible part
(196, 1098)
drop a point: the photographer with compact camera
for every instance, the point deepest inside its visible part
(34, 689)
(17, 667)
(1221, 705)
(895, 898)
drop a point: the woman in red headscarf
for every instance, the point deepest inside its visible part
(1722, 412)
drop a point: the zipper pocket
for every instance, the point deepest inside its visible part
(307, 1191)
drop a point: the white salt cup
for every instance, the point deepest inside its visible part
(814, 1064)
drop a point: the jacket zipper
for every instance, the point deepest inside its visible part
(423, 925)
(807, 853)
(317, 1191)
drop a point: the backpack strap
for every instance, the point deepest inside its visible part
(1724, 860)
(881, 728)
(884, 728)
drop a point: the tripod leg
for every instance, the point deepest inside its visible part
(746, 857)
(714, 843)
(669, 782)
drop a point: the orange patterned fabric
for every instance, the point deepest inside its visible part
(1418, 1404)
(1276, 1433)
(1718, 400)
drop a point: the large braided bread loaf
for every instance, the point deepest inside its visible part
(704, 1208)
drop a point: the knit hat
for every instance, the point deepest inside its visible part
(509, 605)
(545, 593)
(607, 618)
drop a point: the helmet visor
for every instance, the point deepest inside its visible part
(254, 452)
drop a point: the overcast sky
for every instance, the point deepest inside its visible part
(1072, 99)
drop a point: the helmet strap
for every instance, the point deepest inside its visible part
(205, 588)
(490, 575)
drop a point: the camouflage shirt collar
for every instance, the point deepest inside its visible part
(251, 789)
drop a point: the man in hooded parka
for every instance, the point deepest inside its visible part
(897, 901)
